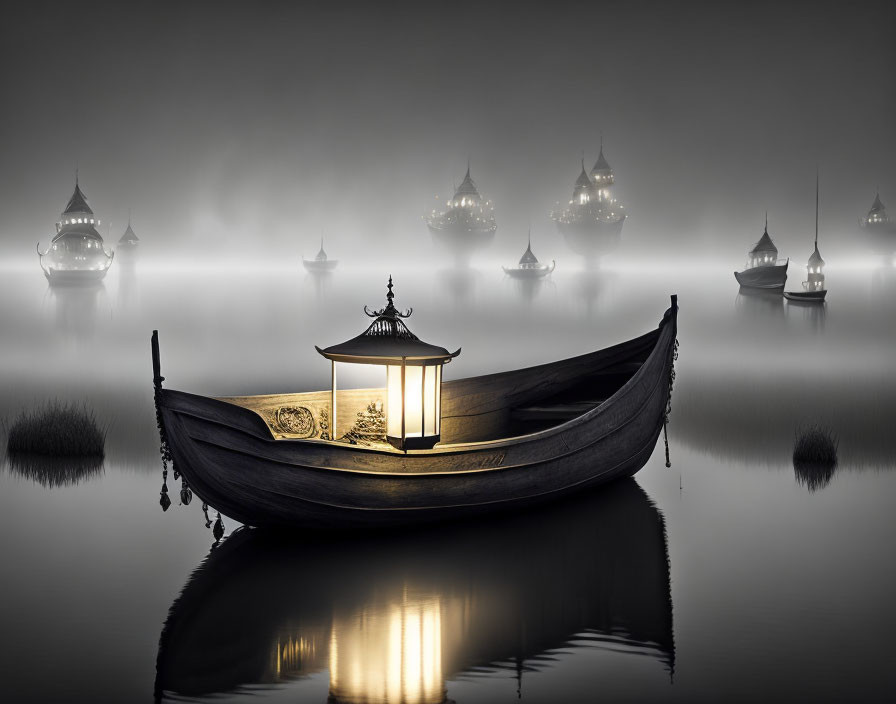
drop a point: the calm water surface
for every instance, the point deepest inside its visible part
(723, 577)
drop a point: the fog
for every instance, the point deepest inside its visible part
(246, 133)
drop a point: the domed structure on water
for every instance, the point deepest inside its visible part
(76, 252)
(129, 239)
(877, 216)
(466, 224)
(878, 230)
(591, 223)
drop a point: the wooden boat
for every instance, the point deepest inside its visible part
(263, 609)
(765, 277)
(806, 296)
(266, 460)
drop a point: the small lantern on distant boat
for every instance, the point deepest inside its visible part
(413, 375)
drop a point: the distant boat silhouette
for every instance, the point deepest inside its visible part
(814, 290)
(763, 269)
(407, 612)
(529, 267)
(321, 263)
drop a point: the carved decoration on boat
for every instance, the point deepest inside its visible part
(295, 420)
(369, 427)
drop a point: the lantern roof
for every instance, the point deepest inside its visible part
(877, 206)
(321, 255)
(387, 340)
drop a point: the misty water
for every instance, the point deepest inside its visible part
(726, 576)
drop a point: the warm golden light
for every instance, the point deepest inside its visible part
(392, 654)
(413, 398)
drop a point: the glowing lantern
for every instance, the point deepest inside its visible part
(413, 375)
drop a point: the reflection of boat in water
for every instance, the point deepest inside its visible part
(76, 253)
(393, 619)
(321, 263)
(763, 270)
(529, 267)
(466, 224)
(269, 460)
(762, 304)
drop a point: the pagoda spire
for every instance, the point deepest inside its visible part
(816, 208)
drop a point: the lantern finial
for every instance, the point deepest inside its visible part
(390, 311)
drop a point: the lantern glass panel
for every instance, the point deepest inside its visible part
(393, 400)
(413, 402)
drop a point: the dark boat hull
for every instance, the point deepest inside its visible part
(765, 277)
(806, 296)
(231, 460)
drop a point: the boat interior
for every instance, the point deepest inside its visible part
(477, 409)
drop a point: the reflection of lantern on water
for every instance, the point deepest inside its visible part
(390, 654)
(293, 654)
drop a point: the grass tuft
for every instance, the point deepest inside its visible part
(57, 429)
(815, 457)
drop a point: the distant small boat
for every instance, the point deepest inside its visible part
(763, 268)
(806, 296)
(814, 290)
(529, 267)
(321, 263)
(510, 440)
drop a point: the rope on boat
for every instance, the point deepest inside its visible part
(164, 449)
(669, 401)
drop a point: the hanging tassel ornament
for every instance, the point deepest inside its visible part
(208, 521)
(218, 530)
(186, 495)
(164, 501)
(669, 401)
